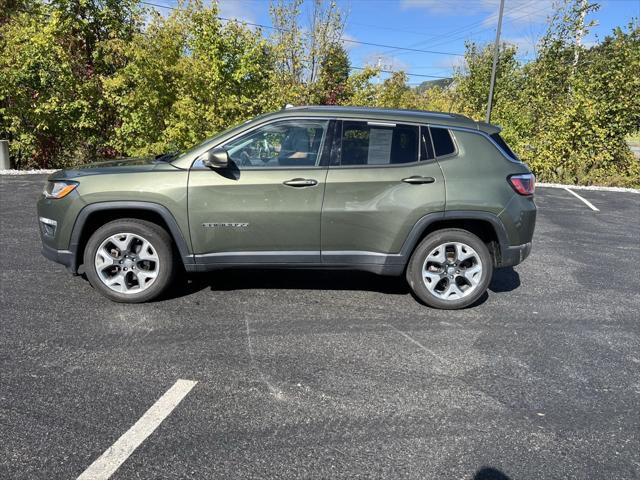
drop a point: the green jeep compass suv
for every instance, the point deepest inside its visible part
(437, 197)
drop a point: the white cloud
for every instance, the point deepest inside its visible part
(526, 45)
(519, 12)
(516, 11)
(451, 62)
(347, 44)
(386, 62)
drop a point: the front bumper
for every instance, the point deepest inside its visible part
(64, 257)
(513, 255)
(56, 218)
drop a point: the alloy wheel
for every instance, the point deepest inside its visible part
(452, 271)
(127, 263)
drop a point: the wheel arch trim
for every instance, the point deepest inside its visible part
(165, 214)
(421, 226)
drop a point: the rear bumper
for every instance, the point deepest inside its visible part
(513, 255)
(63, 257)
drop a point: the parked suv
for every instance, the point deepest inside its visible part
(437, 197)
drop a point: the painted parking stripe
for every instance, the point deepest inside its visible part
(420, 345)
(117, 453)
(587, 202)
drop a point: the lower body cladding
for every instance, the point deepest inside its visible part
(378, 263)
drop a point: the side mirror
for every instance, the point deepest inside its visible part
(216, 158)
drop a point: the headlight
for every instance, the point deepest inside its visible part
(59, 189)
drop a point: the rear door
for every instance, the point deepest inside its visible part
(382, 180)
(265, 207)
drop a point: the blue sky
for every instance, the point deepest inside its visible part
(438, 25)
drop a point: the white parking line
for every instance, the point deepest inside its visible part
(421, 346)
(117, 453)
(596, 188)
(587, 202)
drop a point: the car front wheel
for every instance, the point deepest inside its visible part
(450, 269)
(129, 260)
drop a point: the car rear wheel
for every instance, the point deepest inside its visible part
(129, 260)
(450, 269)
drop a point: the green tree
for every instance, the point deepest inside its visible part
(334, 75)
(395, 93)
(472, 79)
(567, 112)
(51, 60)
(186, 77)
(577, 104)
(302, 50)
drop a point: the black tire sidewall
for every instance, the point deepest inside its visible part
(161, 242)
(414, 268)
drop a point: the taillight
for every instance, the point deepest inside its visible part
(524, 184)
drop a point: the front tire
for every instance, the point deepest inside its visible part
(450, 269)
(129, 260)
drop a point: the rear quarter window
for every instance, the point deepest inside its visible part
(442, 141)
(503, 145)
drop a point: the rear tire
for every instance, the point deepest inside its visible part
(129, 260)
(450, 269)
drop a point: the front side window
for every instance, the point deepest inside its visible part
(368, 143)
(291, 143)
(442, 141)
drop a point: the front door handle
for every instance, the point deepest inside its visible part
(301, 182)
(418, 180)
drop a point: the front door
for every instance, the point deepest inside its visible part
(265, 206)
(382, 180)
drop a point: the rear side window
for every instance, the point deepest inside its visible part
(442, 141)
(503, 145)
(368, 143)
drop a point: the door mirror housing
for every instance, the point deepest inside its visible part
(216, 158)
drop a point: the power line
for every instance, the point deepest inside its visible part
(348, 40)
(471, 26)
(397, 71)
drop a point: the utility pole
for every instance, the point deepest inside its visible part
(496, 50)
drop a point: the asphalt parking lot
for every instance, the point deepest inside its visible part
(332, 375)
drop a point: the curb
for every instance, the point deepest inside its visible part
(588, 187)
(27, 172)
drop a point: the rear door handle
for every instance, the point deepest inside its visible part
(418, 180)
(301, 182)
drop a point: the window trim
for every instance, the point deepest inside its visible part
(319, 163)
